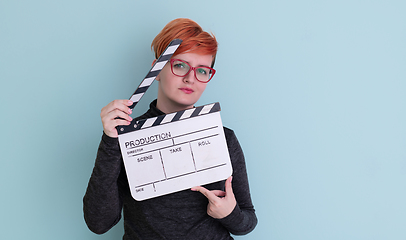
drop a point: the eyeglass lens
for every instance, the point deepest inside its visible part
(181, 69)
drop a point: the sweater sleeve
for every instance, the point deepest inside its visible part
(102, 203)
(242, 219)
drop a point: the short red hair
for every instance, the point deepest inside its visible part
(194, 38)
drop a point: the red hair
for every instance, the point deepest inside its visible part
(195, 40)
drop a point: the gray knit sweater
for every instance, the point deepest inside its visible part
(180, 215)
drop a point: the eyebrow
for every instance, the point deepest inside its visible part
(191, 64)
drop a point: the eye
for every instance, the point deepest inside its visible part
(180, 65)
(202, 71)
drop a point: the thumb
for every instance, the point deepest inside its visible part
(228, 186)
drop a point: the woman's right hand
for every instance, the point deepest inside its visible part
(114, 114)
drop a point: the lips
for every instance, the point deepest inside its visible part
(186, 90)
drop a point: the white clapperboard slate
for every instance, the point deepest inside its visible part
(173, 152)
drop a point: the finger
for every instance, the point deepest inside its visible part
(229, 187)
(122, 102)
(112, 124)
(219, 193)
(122, 105)
(113, 115)
(209, 195)
(114, 119)
(119, 122)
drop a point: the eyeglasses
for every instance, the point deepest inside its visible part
(181, 68)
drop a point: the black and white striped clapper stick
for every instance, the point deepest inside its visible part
(155, 70)
(169, 118)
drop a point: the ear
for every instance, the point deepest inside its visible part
(152, 64)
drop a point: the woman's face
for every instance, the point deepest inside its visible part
(180, 93)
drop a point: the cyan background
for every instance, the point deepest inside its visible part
(315, 91)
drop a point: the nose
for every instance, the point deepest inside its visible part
(190, 77)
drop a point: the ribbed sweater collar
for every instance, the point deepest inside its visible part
(153, 111)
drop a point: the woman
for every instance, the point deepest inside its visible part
(212, 211)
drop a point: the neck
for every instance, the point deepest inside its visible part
(167, 106)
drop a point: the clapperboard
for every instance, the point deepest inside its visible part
(176, 151)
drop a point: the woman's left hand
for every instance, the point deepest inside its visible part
(221, 203)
